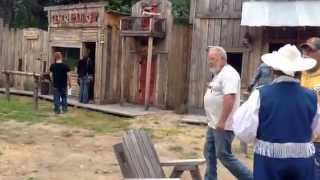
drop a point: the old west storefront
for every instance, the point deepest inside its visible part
(76, 29)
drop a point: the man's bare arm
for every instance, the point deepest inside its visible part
(228, 103)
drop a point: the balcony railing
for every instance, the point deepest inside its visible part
(143, 26)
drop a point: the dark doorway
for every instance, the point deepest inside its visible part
(235, 60)
(90, 49)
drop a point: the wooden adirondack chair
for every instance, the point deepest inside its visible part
(138, 158)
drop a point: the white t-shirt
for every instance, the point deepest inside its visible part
(227, 81)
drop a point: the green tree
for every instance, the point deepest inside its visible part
(181, 8)
(121, 5)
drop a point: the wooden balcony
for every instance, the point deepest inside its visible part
(143, 27)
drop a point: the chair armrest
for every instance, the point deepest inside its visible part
(185, 162)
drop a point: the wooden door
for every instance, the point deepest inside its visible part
(142, 80)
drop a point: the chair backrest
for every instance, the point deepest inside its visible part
(141, 155)
(122, 160)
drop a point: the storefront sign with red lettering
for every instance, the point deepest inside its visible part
(76, 17)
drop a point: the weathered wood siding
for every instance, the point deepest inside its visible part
(111, 59)
(172, 56)
(22, 50)
(217, 22)
(160, 51)
(179, 66)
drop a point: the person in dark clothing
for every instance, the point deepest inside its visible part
(61, 79)
(85, 70)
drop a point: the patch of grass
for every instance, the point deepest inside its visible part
(163, 133)
(66, 134)
(20, 109)
(29, 142)
(149, 131)
(90, 135)
(101, 123)
(191, 155)
(197, 149)
(176, 148)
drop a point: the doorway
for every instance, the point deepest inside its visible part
(89, 49)
(142, 80)
(235, 60)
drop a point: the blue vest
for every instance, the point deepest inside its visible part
(286, 113)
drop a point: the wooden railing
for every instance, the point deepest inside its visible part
(36, 77)
(143, 26)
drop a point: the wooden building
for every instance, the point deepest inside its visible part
(79, 28)
(22, 50)
(156, 56)
(243, 29)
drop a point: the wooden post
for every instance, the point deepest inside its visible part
(148, 74)
(123, 59)
(7, 85)
(36, 92)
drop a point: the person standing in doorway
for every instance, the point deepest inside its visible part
(311, 79)
(221, 99)
(61, 79)
(85, 70)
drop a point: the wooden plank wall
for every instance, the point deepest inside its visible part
(217, 22)
(179, 66)
(2, 65)
(112, 59)
(15, 47)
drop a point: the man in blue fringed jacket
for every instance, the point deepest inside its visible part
(280, 119)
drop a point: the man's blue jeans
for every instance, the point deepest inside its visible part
(218, 146)
(84, 89)
(60, 99)
(317, 161)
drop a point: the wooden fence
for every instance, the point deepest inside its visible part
(22, 50)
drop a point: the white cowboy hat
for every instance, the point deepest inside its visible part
(288, 59)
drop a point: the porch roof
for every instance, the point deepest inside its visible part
(281, 13)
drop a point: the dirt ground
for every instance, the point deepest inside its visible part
(48, 151)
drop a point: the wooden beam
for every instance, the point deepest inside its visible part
(148, 74)
(36, 93)
(21, 73)
(123, 58)
(219, 15)
(76, 6)
(7, 86)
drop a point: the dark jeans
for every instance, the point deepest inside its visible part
(266, 168)
(317, 161)
(84, 89)
(218, 146)
(60, 99)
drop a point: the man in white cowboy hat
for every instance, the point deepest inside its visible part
(280, 119)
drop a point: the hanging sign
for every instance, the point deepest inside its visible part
(74, 17)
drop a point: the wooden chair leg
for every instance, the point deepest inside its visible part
(176, 173)
(195, 174)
